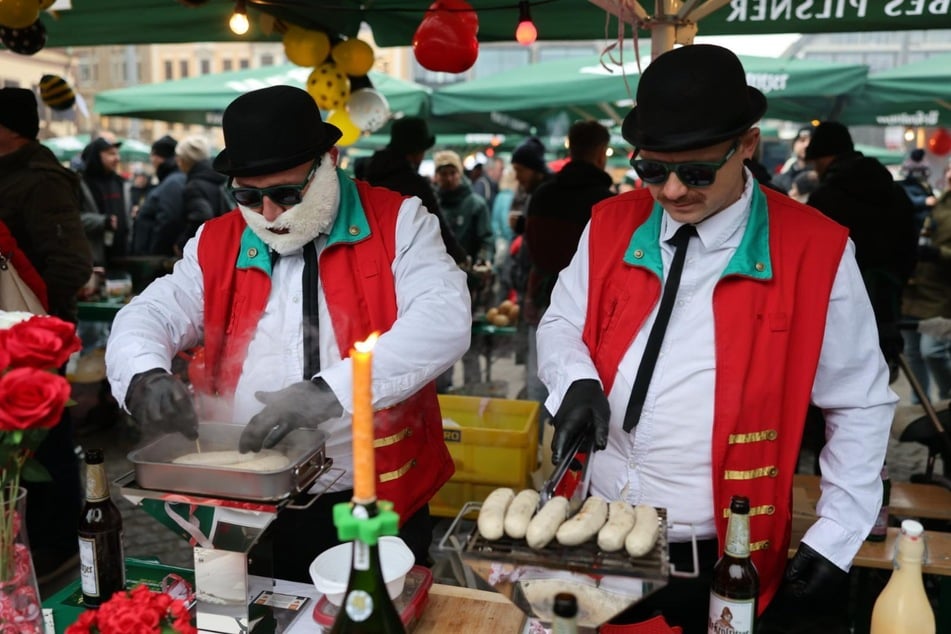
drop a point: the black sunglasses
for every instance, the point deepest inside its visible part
(283, 195)
(690, 173)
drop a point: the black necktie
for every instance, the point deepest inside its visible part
(311, 312)
(646, 369)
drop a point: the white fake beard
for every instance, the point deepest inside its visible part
(304, 221)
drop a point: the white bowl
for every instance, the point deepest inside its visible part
(330, 571)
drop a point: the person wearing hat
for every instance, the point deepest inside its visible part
(699, 393)
(39, 204)
(859, 193)
(796, 164)
(279, 290)
(106, 201)
(396, 167)
(205, 196)
(915, 173)
(161, 217)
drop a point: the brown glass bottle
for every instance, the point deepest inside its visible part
(735, 587)
(102, 563)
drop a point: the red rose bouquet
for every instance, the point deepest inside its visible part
(32, 398)
(140, 610)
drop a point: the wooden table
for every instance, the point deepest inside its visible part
(907, 499)
(454, 609)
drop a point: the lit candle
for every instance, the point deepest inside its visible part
(364, 467)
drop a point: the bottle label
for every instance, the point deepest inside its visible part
(361, 555)
(97, 488)
(87, 567)
(731, 616)
(359, 605)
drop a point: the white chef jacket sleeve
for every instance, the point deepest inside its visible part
(434, 315)
(562, 356)
(851, 388)
(162, 320)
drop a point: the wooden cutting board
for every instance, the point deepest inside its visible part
(454, 609)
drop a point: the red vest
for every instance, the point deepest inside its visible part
(769, 310)
(412, 460)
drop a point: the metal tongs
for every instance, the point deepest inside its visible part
(572, 477)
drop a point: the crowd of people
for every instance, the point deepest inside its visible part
(692, 321)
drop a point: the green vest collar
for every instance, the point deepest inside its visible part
(254, 253)
(751, 258)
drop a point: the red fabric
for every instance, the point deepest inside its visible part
(412, 460)
(768, 338)
(656, 625)
(22, 264)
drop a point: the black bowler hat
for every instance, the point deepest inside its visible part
(691, 97)
(271, 130)
(830, 138)
(411, 135)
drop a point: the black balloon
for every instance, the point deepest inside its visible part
(26, 41)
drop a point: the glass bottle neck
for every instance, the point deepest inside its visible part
(97, 486)
(738, 535)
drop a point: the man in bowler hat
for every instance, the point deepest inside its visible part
(699, 393)
(277, 291)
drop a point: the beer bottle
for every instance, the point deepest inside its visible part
(735, 587)
(566, 614)
(903, 607)
(880, 527)
(367, 607)
(102, 564)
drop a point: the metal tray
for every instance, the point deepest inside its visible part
(604, 583)
(154, 469)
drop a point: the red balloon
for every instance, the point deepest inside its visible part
(940, 142)
(446, 39)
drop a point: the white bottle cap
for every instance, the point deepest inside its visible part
(912, 528)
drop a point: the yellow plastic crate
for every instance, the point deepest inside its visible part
(493, 443)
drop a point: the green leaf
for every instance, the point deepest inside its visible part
(33, 471)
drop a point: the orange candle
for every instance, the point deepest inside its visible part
(364, 467)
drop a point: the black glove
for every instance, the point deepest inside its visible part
(303, 404)
(157, 399)
(584, 404)
(928, 253)
(812, 585)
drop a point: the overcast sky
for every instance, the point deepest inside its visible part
(771, 45)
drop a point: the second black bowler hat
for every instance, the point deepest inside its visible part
(411, 135)
(691, 97)
(271, 130)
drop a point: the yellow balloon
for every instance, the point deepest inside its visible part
(329, 87)
(18, 14)
(353, 56)
(341, 119)
(304, 47)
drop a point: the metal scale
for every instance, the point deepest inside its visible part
(223, 512)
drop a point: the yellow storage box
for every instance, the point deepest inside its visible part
(493, 443)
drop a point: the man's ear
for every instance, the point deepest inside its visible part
(334, 155)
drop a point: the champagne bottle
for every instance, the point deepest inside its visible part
(102, 563)
(735, 587)
(566, 614)
(367, 607)
(880, 527)
(903, 607)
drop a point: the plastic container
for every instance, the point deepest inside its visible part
(410, 603)
(330, 570)
(493, 443)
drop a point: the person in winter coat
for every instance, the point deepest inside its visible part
(915, 173)
(161, 218)
(39, 204)
(105, 201)
(278, 291)
(696, 392)
(204, 196)
(396, 167)
(465, 212)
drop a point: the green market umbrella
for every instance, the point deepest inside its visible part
(202, 99)
(66, 147)
(550, 95)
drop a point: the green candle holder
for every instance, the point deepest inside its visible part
(368, 530)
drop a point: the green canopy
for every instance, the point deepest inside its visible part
(96, 22)
(66, 147)
(550, 95)
(203, 99)
(916, 94)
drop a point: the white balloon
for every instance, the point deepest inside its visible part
(368, 109)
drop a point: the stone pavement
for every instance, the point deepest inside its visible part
(146, 538)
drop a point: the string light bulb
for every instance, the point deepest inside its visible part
(239, 23)
(525, 32)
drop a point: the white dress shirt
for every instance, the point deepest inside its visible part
(666, 460)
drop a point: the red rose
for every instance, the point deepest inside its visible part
(41, 342)
(4, 355)
(31, 398)
(84, 623)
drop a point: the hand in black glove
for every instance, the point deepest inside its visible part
(928, 253)
(812, 585)
(303, 404)
(157, 399)
(584, 404)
